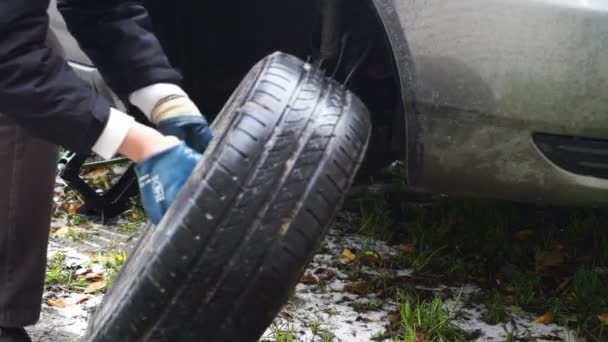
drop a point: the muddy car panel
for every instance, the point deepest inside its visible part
(484, 76)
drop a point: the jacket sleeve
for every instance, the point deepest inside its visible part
(117, 36)
(37, 87)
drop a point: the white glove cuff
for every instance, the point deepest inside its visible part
(146, 98)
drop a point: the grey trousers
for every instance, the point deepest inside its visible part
(27, 175)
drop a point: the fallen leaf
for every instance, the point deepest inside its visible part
(328, 275)
(603, 317)
(56, 303)
(370, 257)
(348, 256)
(550, 259)
(509, 290)
(394, 317)
(73, 208)
(82, 299)
(82, 271)
(563, 284)
(63, 231)
(524, 234)
(546, 318)
(96, 286)
(309, 279)
(136, 216)
(408, 248)
(358, 287)
(319, 270)
(100, 171)
(516, 309)
(94, 276)
(119, 257)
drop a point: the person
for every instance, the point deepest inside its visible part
(43, 104)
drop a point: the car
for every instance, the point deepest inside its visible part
(501, 99)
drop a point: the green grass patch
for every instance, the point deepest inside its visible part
(424, 320)
(283, 334)
(373, 219)
(59, 274)
(525, 258)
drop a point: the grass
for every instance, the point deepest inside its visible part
(524, 258)
(59, 274)
(75, 220)
(77, 234)
(423, 320)
(372, 304)
(495, 308)
(111, 262)
(374, 219)
(283, 335)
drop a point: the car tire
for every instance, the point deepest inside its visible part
(232, 247)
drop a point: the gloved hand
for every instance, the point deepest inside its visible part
(162, 176)
(178, 116)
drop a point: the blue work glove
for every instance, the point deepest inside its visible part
(162, 176)
(178, 116)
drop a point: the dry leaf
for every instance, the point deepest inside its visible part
(408, 248)
(371, 257)
(563, 284)
(94, 276)
(82, 299)
(56, 303)
(358, 287)
(98, 172)
(544, 319)
(309, 279)
(328, 275)
(348, 256)
(96, 286)
(82, 271)
(394, 317)
(516, 309)
(73, 208)
(118, 257)
(550, 259)
(509, 290)
(63, 231)
(136, 216)
(603, 317)
(524, 234)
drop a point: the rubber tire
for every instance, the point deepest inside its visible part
(225, 258)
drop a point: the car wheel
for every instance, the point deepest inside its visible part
(232, 247)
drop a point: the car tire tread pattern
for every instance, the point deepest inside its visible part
(222, 262)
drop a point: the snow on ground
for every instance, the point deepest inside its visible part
(315, 313)
(70, 322)
(322, 307)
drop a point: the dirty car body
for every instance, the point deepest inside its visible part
(488, 98)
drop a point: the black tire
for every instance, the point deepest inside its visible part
(224, 260)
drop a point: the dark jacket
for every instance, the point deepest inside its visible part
(40, 91)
